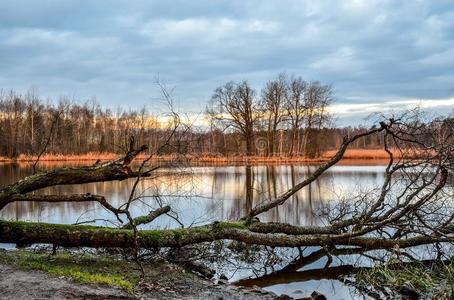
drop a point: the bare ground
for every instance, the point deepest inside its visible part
(30, 284)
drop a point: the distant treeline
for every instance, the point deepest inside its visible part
(288, 118)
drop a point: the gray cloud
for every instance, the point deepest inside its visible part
(371, 51)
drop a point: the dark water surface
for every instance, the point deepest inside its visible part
(202, 194)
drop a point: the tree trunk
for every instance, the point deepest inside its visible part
(24, 233)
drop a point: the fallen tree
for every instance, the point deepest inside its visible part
(411, 208)
(25, 233)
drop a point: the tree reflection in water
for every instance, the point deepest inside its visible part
(204, 193)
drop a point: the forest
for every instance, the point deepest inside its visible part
(289, 117)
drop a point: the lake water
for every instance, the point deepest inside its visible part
(202, 194)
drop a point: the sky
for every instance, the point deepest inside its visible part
(378, 55)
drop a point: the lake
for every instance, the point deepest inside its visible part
(201, 194)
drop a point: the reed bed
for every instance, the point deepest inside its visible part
(350, 154)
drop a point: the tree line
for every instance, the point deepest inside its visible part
(289, 117)
(286, 105)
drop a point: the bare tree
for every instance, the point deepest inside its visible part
(296, 109)
(316, 101)
(274, 95)
(234, 105)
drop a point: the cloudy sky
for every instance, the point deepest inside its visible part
(376, 54)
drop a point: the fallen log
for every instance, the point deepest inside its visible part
(103, 237)
(148, 218)
(114, 170)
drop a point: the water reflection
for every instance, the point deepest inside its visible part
(206, 193)
(202, 194)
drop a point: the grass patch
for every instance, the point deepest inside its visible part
(435, 277)
(82, 268)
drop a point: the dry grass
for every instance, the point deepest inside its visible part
(350, 154)
(90, 156)
(250, 159)
(376, 154)
(434, 278)
(362, 154)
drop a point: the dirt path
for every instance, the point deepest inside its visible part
(18, 284)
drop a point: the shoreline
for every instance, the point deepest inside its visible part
(363, 155)
(37, 274)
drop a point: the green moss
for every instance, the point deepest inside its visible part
(170, 234)
(85, 269)
(141, 219)
(227, 225)
(23, 225)
(151, 238)
(82, 276)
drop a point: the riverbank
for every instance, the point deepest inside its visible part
(350, 154)
(40, 275)
(411, 280)
(37, 274)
